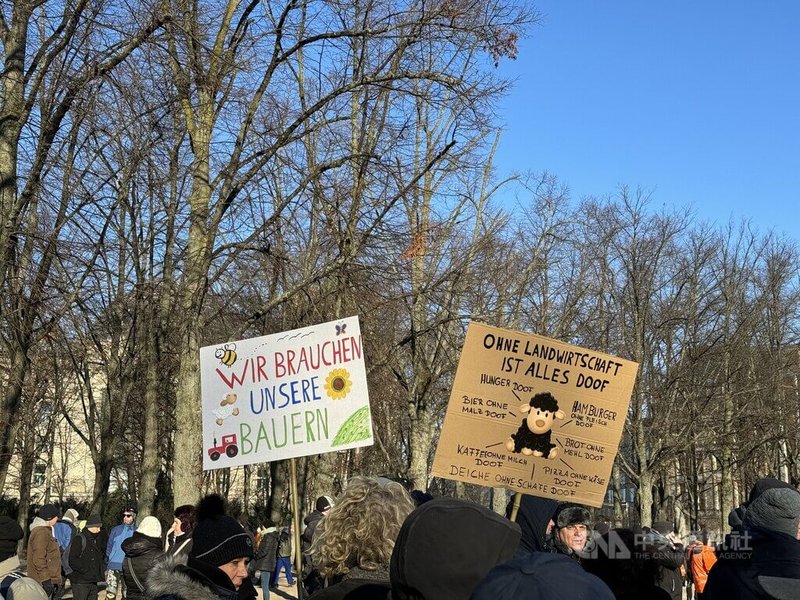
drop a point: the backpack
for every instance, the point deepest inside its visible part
(65, 553)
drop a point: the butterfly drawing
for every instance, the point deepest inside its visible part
(340, 328)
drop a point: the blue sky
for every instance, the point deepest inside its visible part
(696, 102)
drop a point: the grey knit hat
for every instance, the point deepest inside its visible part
(777, 509)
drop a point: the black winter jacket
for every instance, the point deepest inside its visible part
(10, 534)
(87, 560)
(141, 553)
(184, 578)
(267, 554)
(762, 558)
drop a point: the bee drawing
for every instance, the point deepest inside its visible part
(340, 329)
(226, 354)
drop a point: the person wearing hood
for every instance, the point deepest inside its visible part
(541, 576)
(535, 519)
(570, 533)
(446, 546)
(216, 566)
(266, 556)
(353, 543)
(700, 558)
(44, 555)
(766, 563)
(142, 550)
(65, 528)
(10, 535)
(312, 581)
(87, 559)
(736, 516)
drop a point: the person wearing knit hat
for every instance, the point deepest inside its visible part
(10, 535)
(87, 559)
(26, 588)
(44, 555)
(216, 566)
(768, 564)
(142, 550)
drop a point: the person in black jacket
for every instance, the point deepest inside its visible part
(267, 557)
(766, 561)
(142, 550)
(216, 566)
(535, 519)
(669, 556)
(87, 559)
(10, 535)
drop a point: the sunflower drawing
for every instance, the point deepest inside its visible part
(338, 384)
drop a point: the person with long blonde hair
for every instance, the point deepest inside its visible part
(353, 544)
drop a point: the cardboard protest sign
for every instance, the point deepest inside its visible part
(534, 415)
(279, 396)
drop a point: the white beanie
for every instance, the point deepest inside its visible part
(150, 526)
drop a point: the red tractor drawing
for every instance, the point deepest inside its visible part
(228, 446)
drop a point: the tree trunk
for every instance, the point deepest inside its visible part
(420, 442)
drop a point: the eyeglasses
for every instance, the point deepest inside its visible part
(127, 515)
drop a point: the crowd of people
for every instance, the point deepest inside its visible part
(377, 541)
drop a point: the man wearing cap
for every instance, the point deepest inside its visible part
(44, 555)
(115, 554)
(216, 566)
(571, 530)
(86, 559)
(312, 581)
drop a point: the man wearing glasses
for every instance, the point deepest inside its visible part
(115, 583)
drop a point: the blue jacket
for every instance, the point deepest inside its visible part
(114, 552)
(63, 530)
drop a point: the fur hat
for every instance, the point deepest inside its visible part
(26, 588)
(94, 520)
(48, 511)
(218, 538)
(777, 509)
(71, 515)
(150, 526)
(324, 503)
(571, 514)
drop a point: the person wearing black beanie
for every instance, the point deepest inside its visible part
(216, 566)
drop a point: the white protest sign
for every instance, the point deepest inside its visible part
(279, 396)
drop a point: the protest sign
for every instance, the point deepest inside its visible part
(285, 395)
(534, 415)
